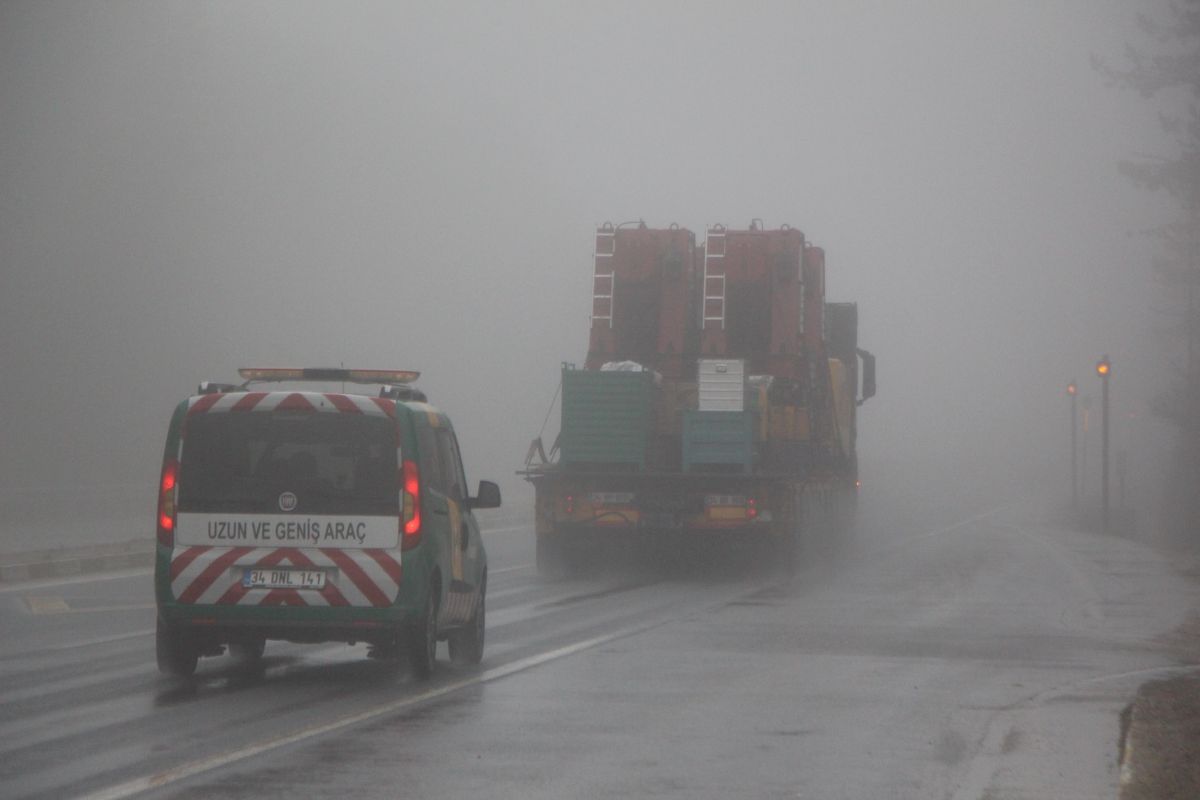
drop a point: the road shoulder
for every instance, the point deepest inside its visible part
(1160, 731)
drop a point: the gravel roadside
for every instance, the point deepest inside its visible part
(1160, 746)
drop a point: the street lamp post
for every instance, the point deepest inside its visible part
(1104, 369)
(1072, 392)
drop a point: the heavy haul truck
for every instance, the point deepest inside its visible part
(717, 401)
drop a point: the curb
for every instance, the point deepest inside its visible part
(1125, 761)
(21, 567)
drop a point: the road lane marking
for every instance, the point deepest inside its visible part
(92, 679)
(120, 637)
(175, 774)
(58, 605)
(508, 529)
(46, 605)
(126, 607)
(517, 568)
(960, 524)
(902, 544)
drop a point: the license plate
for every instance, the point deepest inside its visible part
(726, 513)
(283, 579)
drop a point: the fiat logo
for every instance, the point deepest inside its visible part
(287, 502)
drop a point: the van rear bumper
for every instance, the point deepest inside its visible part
(223, 624)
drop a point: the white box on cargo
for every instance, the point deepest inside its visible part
(722, 384)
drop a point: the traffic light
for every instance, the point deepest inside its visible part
(1071, 389)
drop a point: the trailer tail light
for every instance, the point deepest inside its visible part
(410, 483)
(166, 503)
(751, 508)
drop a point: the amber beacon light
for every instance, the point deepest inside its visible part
(1104, 369)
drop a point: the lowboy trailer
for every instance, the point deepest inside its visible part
(718, 400)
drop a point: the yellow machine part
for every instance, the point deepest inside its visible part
(789, 423)
(843, 402)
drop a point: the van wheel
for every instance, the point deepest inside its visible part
(175, 650)
(466, 644)
(422, 637)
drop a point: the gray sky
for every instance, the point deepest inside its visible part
(190, 187)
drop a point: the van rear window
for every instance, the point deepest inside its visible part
(309, 463)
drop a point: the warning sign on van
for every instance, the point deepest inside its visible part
(265, 530)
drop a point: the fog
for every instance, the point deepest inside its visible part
(186, 188)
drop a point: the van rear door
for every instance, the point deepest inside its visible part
(288, 507)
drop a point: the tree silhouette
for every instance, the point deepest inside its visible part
(1167, 67)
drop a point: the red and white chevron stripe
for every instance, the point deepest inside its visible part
(291, 401)
(204, 575)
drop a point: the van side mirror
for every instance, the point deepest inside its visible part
(868, 375)
(487, 497)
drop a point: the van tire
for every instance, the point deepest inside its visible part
(422, 636)
(466, 644)
(175, 650)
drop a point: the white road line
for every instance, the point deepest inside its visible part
(502, 593)
(176, 774)
(509, 529)
(509, 569)
(92, 679)
(56, 606)
(901, 545)
(960, 524)
(93, 642)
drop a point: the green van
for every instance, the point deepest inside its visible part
(310, 516)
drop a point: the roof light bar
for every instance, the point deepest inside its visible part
(329, 374)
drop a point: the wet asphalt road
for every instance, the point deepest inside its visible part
(962, 651)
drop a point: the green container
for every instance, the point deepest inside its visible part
(606, 417)
(718, 439)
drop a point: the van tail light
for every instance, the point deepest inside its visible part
(166, 503)
(410, 493)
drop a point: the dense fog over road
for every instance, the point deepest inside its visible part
(186, 188)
